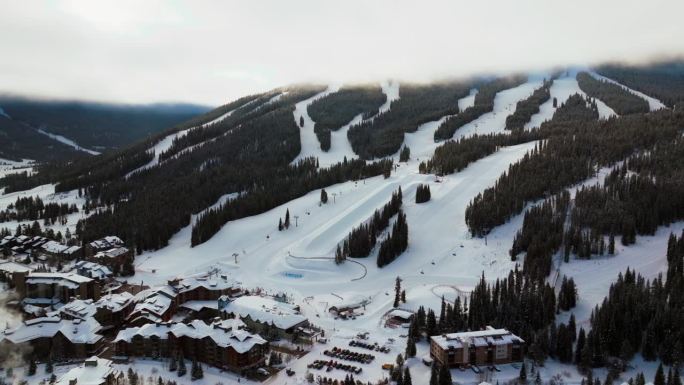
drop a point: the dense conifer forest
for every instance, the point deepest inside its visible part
(363, 238)
(33, 208)
(339, 108)
(418, 104)
(663, 81)
(639, 316)
(96, 125)
(571, 153)
(524, 109)
(620, 100)
(484, 103)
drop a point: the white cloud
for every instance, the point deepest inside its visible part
(214, 51)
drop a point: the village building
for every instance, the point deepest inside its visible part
(48, 289)
(485, 347)
(110, 311)
(113, 258)
(59, 251)
(94, 371)
(152, 306)
(225, 344)
(13, 272)
(92, 270)
(271, 317)
(55, 337)
(102, 244)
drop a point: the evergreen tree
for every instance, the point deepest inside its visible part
(280, 224)
(410, 347)
(301, 121)
(182, 370)
(434, 375)
(287, 219)
(659, 378)
(444, 376)
(407, 376)
(522, 376)
(397, 292)
(32, 367)
(404, 154)
(324, 196)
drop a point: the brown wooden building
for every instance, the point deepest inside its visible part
(223, 344)
(485, 347)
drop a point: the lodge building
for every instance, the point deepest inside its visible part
(485, 347)
(223, 344)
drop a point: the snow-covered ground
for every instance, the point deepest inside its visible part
(653, 103)
(67, 141)
(8, 167)
(468, 101)
(166, 143)
(504, 104)
(47, 194)
(310, 144)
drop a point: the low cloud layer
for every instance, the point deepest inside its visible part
(214, 51)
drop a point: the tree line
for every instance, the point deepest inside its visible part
(484, 103)
(33, 208)
(339, 108)
(664, 81)
(525, 108)
(620, 100)
(571, 153)
(363, 238)
(418, 104)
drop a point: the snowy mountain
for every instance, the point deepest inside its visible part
(578, 192)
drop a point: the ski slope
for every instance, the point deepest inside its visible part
(504, 104)
(166, 143)
(67, 141)
(561, 89)
(308, 139)
(653, 103)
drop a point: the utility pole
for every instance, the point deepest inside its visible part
(296, 217)
(334, 195)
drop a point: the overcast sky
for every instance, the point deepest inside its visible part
(211, 52)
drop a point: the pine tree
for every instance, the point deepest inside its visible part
(404, 154)
(444, 376)
(434, 375)
(280, 224)
(32, 367)
(522, 376)
(324, 196)
(182, 370)
(611, 244)
(48, 365)
(301, 121)
(407, 377)
(287, 219)
(397, 292)
(410, 347)
(659, 378)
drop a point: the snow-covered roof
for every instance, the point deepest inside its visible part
(199, 305)
(153, 303)
(400, 313)
(115, 302)
(209, 283)
(114, 252)
(69, 280)
(224, 333)
(14, 267)
(93, 372)
(79, 308)
(92, 269)
(72, 249)
(77, 331)
(265, 310)
(107, 242)
(54, 247)
(476, 338)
